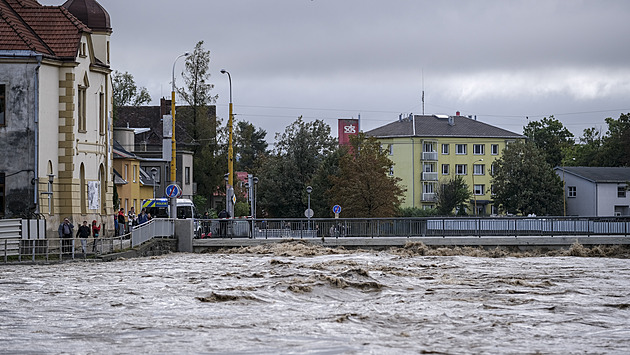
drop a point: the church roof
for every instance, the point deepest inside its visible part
(50, 30)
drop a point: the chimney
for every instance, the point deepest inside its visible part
(457, 113)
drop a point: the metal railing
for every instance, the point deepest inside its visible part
(157, 227)
(415, 227)
(51, 249)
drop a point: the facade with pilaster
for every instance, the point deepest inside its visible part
(56, 98)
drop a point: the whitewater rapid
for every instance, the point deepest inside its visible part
(296, 299)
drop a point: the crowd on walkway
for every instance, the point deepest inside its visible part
(123, 223)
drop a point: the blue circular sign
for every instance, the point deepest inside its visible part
(173, 191)
(336, 209)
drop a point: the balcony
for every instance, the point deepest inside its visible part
(428, 197)
(430, 156)
(429, 176)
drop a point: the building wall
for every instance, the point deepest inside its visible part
(608, 199)
(419, 163)
(17, 136)
(583, 204)
(79, 157)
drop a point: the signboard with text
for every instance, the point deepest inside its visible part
(347, 128)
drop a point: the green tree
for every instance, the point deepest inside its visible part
(286, 172)
(452, 193)
(125, 92)
(250, 146)
(200, 123)
(588, 152)
(322, 198)
(363, 186)
(616, 143)
(551, 137)
(524, 183)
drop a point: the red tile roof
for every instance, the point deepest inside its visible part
(50, 30)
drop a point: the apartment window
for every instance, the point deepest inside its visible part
(479, 149)
(135, 173)
(445, 168)
(461, 169)
(391, 171)
(390, 149)
(126, 172)
(572, 191)
(479, 169)
(460, 149)
(3, 105)
(187, 177)
(1, 194)
(492, 189)
(479, 189)
(494, 148)
(621, 191)
(445, 149)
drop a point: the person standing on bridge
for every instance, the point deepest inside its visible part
(66, 229)
(83, 233)
(222, 223)
(121, 222)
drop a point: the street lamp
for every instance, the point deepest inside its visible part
(255, 188)
(230, 135)
(173, 201)
(473, 181)
(309, 213)
(154, 174)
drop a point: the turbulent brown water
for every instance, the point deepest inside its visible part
(293, 298)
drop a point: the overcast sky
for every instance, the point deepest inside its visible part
(502, 61)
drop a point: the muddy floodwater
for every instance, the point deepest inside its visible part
(297, 299)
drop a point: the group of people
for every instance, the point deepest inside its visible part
(123, 226)
(66, 233)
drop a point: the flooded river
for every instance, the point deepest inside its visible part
(297, 299)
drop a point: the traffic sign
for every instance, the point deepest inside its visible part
(336, 209)
(309, 213)
(173, 191)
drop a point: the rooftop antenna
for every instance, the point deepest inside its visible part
(422, 91)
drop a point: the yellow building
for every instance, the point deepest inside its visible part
(132, 183)
(429, 149)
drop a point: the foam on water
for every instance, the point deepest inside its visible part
(295, 298)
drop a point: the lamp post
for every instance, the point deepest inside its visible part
(173, 201)
(309, 213)
(230, 138)
(473, 180)
(153, 174)
(255, 188)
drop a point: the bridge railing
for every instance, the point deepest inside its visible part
(413, 227)
(156, 227)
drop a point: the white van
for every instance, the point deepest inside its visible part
(159, 208)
